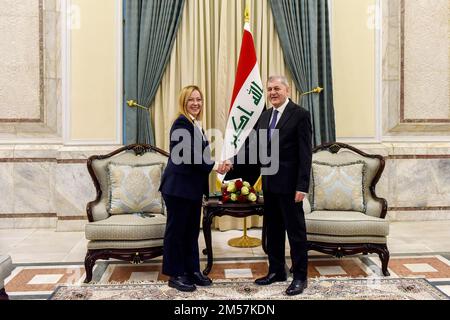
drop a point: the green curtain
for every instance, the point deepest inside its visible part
(304, 32)
(150, 30)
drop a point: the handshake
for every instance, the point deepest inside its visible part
(224, 167)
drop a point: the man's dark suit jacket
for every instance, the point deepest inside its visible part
(188, 180)
(295, 153)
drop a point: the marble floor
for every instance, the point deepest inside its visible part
(44, 259)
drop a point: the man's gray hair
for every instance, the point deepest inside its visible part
(281, 79)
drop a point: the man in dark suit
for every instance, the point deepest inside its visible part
(284, 190)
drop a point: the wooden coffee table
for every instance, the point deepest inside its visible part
(215, 208)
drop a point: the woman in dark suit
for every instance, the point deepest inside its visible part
(183, 185)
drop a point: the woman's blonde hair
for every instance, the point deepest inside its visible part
(183, 101)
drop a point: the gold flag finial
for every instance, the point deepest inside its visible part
(247, 11)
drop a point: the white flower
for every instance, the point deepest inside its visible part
(245, 191)
(252, 197)
(231, 187)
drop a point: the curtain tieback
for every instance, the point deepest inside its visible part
(134, 104)
(315, 90)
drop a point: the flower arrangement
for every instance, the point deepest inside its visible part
(238, 191)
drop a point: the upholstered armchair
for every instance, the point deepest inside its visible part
(127, 219)
(6, 268)
(344, 216)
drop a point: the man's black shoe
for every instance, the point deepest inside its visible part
(297, 287)
(181, 283)
(199, 279)
(271, 278)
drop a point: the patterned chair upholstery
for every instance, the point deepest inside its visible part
(340, 232)
(6, 268)
(133, 237)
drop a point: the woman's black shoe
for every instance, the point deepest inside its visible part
(181, 283)
(199, 279)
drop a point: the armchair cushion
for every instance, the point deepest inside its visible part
(345, 223)
(134, 188)
(127, 227)
(342, 240)
(338, 187)
(120, 245)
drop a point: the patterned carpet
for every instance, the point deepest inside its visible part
(38, 281)
(325, 289)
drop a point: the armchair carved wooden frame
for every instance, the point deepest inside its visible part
(342, 249)
(134, 255)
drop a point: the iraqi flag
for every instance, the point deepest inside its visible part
(247, 102)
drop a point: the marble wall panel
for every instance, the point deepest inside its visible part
(383, 186)
(418, 183)
(33, 188)
(73, 189)
(36, 152)
(20, 67)
(439, 182)
(71, 226)
(420, 149)
(35, 223)
(24, 8)
(391, 39)
(6, 223)
(30, 48)
(6, 188)
(420, 215)
(51, 5)
(410, 184)
(416, 68)
(6, 152)
(427, 59)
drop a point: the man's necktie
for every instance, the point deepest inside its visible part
(273, 124)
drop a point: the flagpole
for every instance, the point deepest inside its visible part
(245, 241)
(247, 11)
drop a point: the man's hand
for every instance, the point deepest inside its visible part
(299, 197)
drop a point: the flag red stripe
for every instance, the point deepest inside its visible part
(247, 61)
